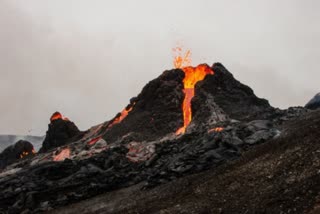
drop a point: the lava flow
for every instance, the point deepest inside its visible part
(65, 153)
(123, 115)
(94, 140)
(192, 76)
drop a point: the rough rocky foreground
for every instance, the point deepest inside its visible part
(280, 176)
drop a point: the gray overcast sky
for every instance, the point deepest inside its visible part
(87, 58)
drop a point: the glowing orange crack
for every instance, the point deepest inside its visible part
(123, 115)
(217, 129)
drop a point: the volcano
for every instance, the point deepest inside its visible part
(159, 109)
(186, 121)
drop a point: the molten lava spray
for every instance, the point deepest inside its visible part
(192, 76)
(181, 60)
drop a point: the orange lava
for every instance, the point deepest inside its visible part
(25, 154)
(217, 129)
(192, 76)
(123, 115)
(56, 116)
(65, 153)
(94, 140)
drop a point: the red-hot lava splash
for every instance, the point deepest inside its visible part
(192, 76)
(56, 116)
(180, 60)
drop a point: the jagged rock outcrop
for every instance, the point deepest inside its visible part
(60, 132)
(314, 103)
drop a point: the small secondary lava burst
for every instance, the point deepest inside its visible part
(26, 153)
(56, 116)
(192, 76)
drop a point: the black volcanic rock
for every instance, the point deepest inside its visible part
(156, 111)
(237, 100)
(60, 132)
(314, 103)
(15, 152)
